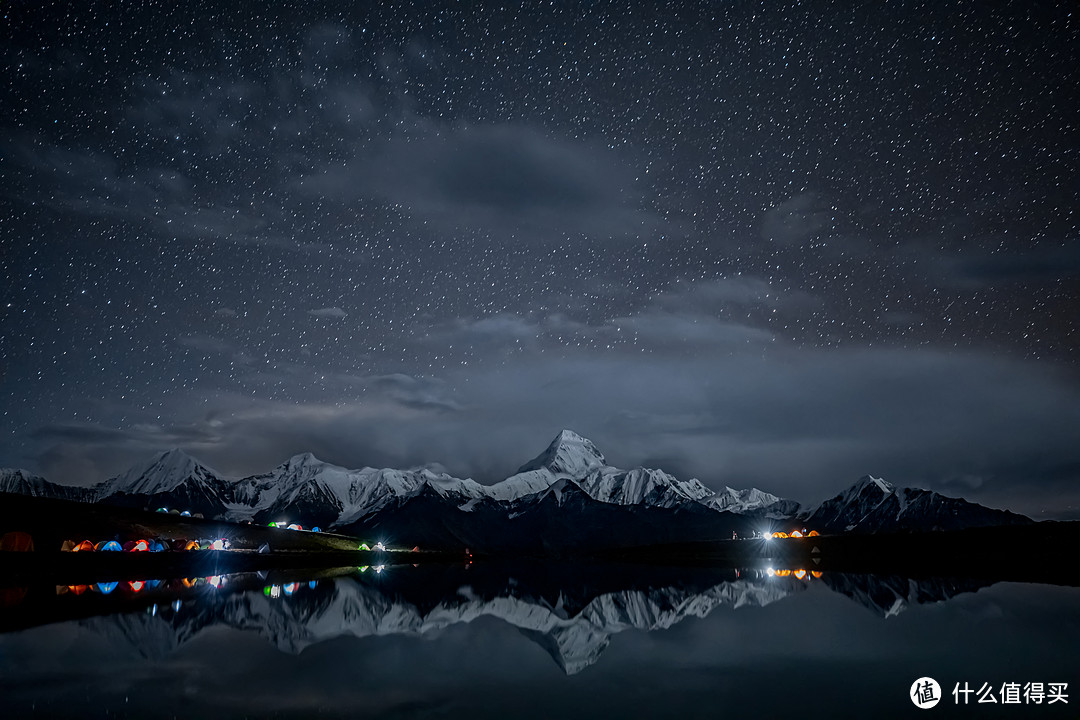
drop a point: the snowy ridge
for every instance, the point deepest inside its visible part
(874, 505)
(164, 473)
(308, 490)
(740, 501)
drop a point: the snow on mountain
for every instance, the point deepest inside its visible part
(23, 482)
(164, 473)
(740, 501)
(570, 456)
(874, 505)
(318, 492)
(642, 486)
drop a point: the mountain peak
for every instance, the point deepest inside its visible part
(869, 481)
(304, 459)
(569, 454)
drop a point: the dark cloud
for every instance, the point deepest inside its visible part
(507, 179)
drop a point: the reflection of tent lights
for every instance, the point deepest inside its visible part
(219, 544)
(362, 568)
(137, 585)
(815, 573)
(291, 588)
(177, 604)
(106, 587)
(313, 584)
(770, 572)
(783, 573)
(800, 573)
(215, 581)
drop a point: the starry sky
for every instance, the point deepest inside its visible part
(772, 244)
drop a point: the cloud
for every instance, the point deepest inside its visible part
(509, 179)
(328, 312)
(798, 219)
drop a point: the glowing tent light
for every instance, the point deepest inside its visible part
(137, 585)
(215, 581)
(218, 544)
(801, 574)
(186, 513)
(813, 533)
(796, 534)
(815, 573)
(783, 573)
(106, 587)
(291, 588)
(141, 546)
(770, 572)
(162, 510)
(362, 568)
(363, 546)
(379, 546)
(84, 546)
(78, 589)
(108, 546)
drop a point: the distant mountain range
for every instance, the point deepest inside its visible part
(567, 497)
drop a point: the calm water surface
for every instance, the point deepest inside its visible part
(533, 640)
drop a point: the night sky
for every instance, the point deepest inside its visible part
(777, 244)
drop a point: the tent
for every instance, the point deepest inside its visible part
(84, 546)
(108, 546)
(192, 545)
(264, 548)
(17, 541)
(68, 546)
(106, 587)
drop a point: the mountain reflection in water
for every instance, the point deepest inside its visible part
(571, 611)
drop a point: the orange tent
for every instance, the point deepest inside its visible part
(84, 546)
(17, 541)
(813, 533)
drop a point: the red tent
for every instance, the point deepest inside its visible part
(17, 541)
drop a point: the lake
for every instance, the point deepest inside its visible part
(543, 640)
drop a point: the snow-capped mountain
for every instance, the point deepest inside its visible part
(25, 483)
(170, 479)
(568, 494)
(751, 500)
(324, 494)
(874, 505)
(570, 456)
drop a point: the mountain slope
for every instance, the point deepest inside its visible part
(873, 505)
